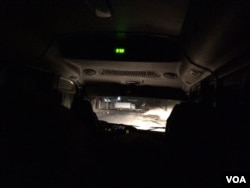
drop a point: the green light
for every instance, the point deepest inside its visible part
(119, 50)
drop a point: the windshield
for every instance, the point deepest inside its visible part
(142, 113)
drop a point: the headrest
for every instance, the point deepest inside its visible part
(81, 106)
(188, 118)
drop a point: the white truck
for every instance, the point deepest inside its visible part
(124, 105)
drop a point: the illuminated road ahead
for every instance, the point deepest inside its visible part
(154, 119)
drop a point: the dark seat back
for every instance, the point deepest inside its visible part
(191, 139)
(235, 120)
(42, 145)
(83, 111)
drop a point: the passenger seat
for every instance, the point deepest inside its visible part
(191, 143)
(42, 144)
(83, 111)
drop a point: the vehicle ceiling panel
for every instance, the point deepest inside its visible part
(211, 33)
(165, 17)
(99, 66)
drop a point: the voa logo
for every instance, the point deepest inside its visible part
(236, 179)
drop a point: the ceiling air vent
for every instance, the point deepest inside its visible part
(170, 75)
(195, 72)
(141, 74)
(89, 72)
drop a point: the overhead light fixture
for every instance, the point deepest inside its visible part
(101, 8)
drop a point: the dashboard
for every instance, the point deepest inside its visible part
(113, 132)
